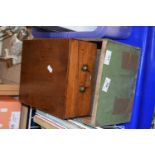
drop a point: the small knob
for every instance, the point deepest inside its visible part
(85, 68)
(82, 89)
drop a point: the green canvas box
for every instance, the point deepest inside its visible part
(115, 84)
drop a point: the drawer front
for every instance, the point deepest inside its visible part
(80, 75)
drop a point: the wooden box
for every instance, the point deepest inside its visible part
(56, 76)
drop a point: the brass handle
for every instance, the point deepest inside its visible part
(82, 89)
(85, 68)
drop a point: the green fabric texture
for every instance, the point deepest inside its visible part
(122, 85)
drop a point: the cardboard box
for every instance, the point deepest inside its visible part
(10, 110)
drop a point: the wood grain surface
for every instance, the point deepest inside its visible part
(81, 53)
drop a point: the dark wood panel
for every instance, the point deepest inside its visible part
(39, 87)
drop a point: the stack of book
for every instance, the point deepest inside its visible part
(48, 121)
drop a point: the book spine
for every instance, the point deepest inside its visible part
(52, 120)
(63, 123)
(80, 124)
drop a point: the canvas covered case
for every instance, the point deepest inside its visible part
(115, 86)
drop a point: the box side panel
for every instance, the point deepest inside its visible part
(43, 74)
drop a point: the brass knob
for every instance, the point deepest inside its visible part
(82, 89)
(85, 68)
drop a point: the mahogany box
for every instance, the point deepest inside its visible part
(56, 76)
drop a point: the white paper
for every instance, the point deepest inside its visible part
(14, 120)
(3, 109)
(107, 57)
(1, 125)
(106, 84)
